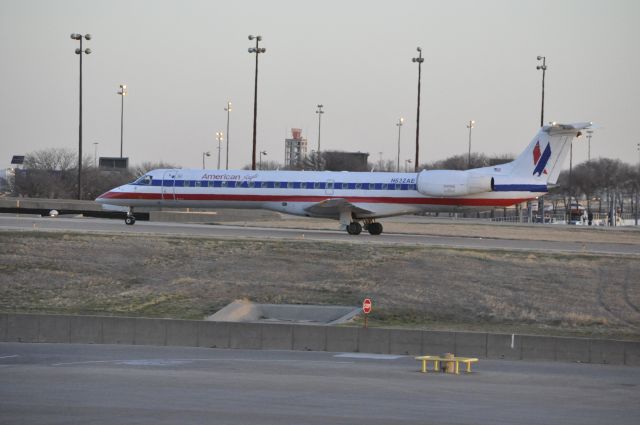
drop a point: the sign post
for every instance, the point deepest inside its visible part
(366, 309)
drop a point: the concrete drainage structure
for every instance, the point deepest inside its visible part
(248, 312)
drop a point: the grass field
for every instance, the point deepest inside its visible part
(417, 287)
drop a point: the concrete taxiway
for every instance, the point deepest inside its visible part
(8, 222)
(90, 384)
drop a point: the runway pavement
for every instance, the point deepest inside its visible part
(90, 384)
(9, 222)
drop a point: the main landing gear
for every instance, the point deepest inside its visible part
(130, 220)
(373, 227)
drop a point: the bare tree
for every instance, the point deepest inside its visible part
(51, 159)
(461, 162)
(48, 173)
(266, 165)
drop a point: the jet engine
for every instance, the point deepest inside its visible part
(452, 183)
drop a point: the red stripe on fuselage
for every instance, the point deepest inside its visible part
(479, 202)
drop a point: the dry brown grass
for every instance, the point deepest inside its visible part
(411, 286)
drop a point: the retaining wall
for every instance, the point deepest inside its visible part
(139, 331)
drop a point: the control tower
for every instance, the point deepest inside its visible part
(295, 149)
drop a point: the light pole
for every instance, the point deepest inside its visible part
(228, 109)
(570, 182)
(203, 155)
(95, 154)
(262, 153)
(257, 50)
(589, 134)
(219, 138)
(637, 191)
(543, 67)
(406, 164)
(470, 126)
(319, 111)
(80, 52)
(419, 60)
(122, 92)
(399, 124)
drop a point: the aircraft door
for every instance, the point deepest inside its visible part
(168, 185)
(328, 188)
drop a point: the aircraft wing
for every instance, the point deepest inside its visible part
(334, 206)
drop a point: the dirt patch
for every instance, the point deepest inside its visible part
(155, 276)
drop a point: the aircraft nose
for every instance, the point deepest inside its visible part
(108, 196)
(102, 198)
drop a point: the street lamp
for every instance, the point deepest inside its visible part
(122, 92)
(257, 50)
(219, 138)
(399, 124)
(470, 126)
(570, 182)
(262, 153)
(406, 164)
(589, 134)
(228, 109)
(95, 154)
(637, 191)
(319, 112)
(543, 67)
(203, 155)
(418, 60)
(80, 52)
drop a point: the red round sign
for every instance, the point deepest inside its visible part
(366, 306)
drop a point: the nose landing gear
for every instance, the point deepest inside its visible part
(130, 220)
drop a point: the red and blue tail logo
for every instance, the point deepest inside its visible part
(540, 159)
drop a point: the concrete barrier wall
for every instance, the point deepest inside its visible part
(139, 331)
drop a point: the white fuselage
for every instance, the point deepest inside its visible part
(297, 192)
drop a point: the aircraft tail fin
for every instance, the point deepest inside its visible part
(543, 159)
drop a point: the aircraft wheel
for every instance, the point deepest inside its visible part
(375, 228)
(354, 228)
(130, 220)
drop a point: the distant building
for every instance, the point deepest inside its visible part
(345, 161)
(113, 163)
(295, 149)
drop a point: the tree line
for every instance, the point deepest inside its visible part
(53, 173)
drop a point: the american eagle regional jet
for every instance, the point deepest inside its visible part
(356, 199)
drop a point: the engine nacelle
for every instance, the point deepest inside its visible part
(452, 183)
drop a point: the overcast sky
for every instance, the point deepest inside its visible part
(182, 61)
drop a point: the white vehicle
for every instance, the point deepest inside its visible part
(355, 198)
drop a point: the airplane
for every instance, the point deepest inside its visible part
(356, 199)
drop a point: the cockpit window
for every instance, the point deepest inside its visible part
(144, 180)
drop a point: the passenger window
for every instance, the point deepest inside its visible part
(198, 183)
(316, 185)
(290, 185)
(358, 185)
